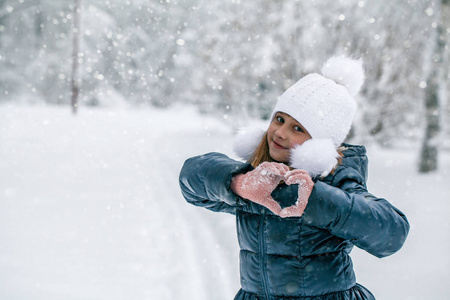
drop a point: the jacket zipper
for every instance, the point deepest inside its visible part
(262, 260)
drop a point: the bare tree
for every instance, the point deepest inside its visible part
(433, 101)
(75, 82)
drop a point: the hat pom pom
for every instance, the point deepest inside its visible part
(246, 141)
(345, 71)
(315, 156)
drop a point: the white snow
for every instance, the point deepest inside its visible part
(90, 208)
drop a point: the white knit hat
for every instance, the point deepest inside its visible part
(324, 106)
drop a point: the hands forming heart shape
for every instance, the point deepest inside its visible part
(258, 184)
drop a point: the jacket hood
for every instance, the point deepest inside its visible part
(353, 166)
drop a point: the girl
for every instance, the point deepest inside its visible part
(301, 200)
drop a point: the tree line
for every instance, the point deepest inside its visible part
(233, 58)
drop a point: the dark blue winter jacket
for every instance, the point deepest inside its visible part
(305, 257)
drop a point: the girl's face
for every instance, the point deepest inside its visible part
(284, 133)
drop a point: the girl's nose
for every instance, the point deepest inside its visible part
(281, 132)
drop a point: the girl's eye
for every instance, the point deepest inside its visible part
(298, 128)
(280, 119)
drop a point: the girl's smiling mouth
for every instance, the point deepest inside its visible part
(278, 146)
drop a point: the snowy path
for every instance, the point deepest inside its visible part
(90, 208)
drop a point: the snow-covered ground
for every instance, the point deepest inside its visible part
(90, 208)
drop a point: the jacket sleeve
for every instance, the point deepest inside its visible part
(348, 211)
(205, 181)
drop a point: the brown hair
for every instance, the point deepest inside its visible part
(262, 154)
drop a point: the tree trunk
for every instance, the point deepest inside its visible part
(429, 152)
(38, 23)
(2, 21)
(430, 144)
(76, 31)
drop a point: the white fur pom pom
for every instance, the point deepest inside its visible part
(315, 156)
(246, 141)
(345, 71)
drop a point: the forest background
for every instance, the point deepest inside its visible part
(233, 58)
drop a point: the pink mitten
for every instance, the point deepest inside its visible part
(258, 184)
(305, 186)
